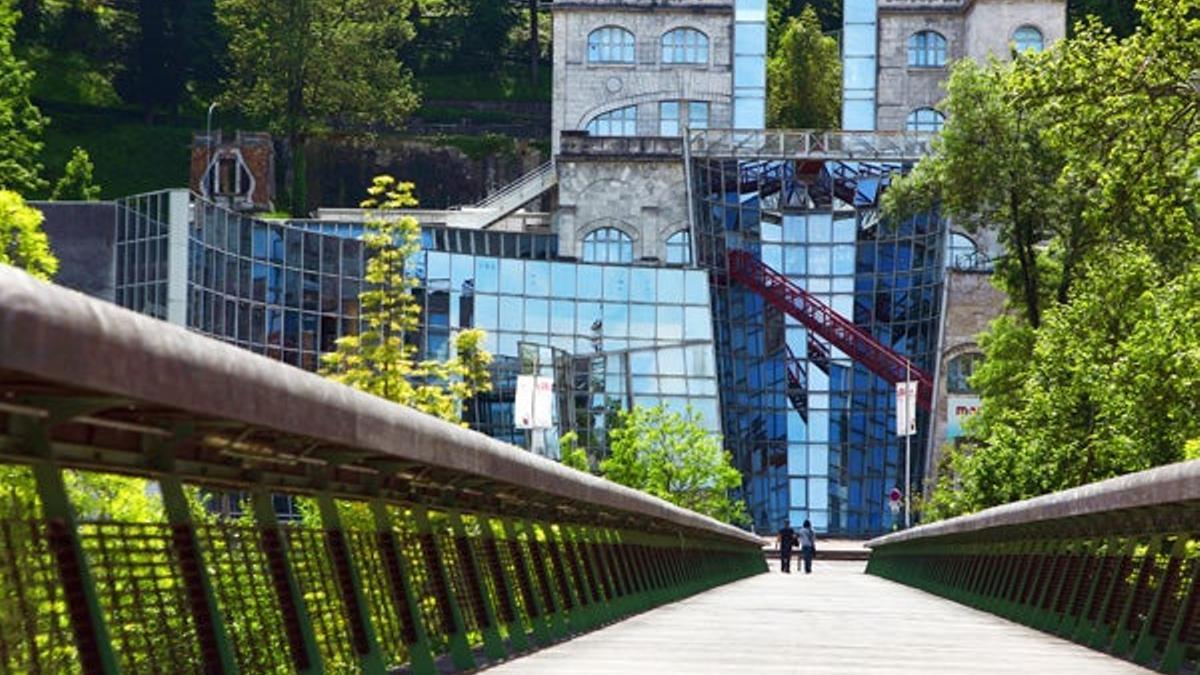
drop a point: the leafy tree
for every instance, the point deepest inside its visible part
(305, 66)
(382, 359)
(804, 77)
(672, 456)
(1084, 158)
(21, 123)
(76, 183)
(573, 455)
(172, 44)
(23, 244)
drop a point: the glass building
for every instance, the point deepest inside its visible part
(812, 431)
(612, 335)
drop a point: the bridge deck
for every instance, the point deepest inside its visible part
(838, 620)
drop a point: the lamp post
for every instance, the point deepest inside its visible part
(207, 151)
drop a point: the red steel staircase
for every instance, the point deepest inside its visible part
(819, 318)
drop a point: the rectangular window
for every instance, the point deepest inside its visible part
(668, 118)
(698, 115)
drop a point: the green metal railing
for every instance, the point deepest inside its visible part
(423, 547)
(1114, 565)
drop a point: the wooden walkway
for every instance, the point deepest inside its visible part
(837, 620)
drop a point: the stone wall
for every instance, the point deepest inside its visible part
(583, 90)
(971, 304)
(82, 236)
(644, 197)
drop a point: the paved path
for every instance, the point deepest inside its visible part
(838, 620)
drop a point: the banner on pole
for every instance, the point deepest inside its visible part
(906, 408)
(535, 396)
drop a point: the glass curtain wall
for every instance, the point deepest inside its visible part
(141, 250)
(813, 432)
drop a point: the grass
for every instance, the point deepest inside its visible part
(130, 156)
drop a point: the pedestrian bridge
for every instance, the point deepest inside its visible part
(429, 548)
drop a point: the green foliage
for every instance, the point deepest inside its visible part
(671, 456)
(572, 454)
(76, 183)
(804, 76)
(382, 359)
(304, 66)
(21, 123)
(23, 244)
(1085, 159)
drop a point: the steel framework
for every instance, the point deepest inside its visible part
(818, 317)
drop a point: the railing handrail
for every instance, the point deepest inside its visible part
(535, 175)
(54, 335)
(1153, 487)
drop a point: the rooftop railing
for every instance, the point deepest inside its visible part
(424, 544)
(1113, 565)
(804, 144)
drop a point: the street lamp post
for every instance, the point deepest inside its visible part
(207, 151)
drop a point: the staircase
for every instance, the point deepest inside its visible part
(819, 318)
(503, 202)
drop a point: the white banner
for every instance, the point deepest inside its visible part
(958, 409)
(906, 408)
(535, 398)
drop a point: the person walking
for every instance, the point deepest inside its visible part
(787, 540)
(808, 545)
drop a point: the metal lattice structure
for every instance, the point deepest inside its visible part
(425, 545)
(1113, 565)
(818, 317)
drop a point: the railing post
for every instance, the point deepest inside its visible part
(358, 617)
(572, 607)
(481, 604)
(439, 577)
(1122, 638)
(555, 614)
(1096, 635)
(533, 604)
(296, 621)
(506, 588)
(79, 589)
(215, 646)
(412, 630)
(1189, 612)
(603, 585)
(1144, 641)
(584, 580)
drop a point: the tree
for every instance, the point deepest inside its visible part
(76, 183)
(573, 455)
(306, 66)
(23, 244)
(21, 123)
(1084, 158)
(382, 359)
(804, 76)
(171, 44)
(672, 456)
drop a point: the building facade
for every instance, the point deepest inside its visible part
(897, 53)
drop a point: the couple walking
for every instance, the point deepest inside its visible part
(805, 538)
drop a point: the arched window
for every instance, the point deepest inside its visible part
(926, 49)
(607, 244)
(679, 248)
(619, 122)
(684, 45)
(610, 44)
(959, 371)
(962, 251)
(1027, 38)
(925, 119)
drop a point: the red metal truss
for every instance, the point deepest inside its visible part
(839, 331)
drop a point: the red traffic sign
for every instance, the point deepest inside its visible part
(895, 495)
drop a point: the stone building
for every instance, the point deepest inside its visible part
(920, 39)
(641, 67)
(236, 172)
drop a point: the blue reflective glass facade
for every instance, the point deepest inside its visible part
(860, 25)
(813, 432)
(612, 335)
